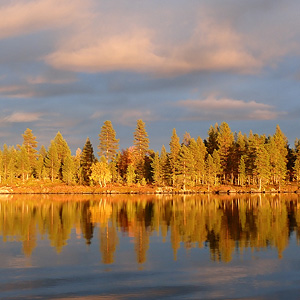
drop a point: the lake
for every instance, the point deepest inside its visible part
(150, 247)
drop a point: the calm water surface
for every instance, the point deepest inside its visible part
(147, 247)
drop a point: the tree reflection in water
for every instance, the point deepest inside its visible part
(225, 224)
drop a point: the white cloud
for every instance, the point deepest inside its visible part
(228, 109)
(22, 117)
(211, 46)
(98, 37)
(22, 17)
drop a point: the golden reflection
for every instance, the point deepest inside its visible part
(226, 224)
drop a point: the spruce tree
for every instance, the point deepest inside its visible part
(108, 145)
(86, 160)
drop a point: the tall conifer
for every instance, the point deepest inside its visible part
(108, 145)
(86, 160)
(174, 155)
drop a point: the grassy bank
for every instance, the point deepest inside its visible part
(58, 188)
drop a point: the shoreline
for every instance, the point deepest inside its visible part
(56, 189)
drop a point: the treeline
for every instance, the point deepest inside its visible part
(224, 157)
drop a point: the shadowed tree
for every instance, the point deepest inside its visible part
(212, 141)
(86, 160)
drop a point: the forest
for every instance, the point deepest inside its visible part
(223, 158)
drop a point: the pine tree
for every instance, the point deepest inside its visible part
(108, 145)
(262, 163)
(278, 156)
(141, 148)
(86, 160)
(225, 143)
(30, 144)
(141, 141)
(63, 151)
(174, 155)
(212, 140)
(62, 147)
(52, 163)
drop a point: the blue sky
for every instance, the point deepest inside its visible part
(69, 65)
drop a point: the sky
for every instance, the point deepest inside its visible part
(69, 65)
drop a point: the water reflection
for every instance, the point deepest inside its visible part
(223, 224)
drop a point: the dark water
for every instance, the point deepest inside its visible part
(147, 247)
